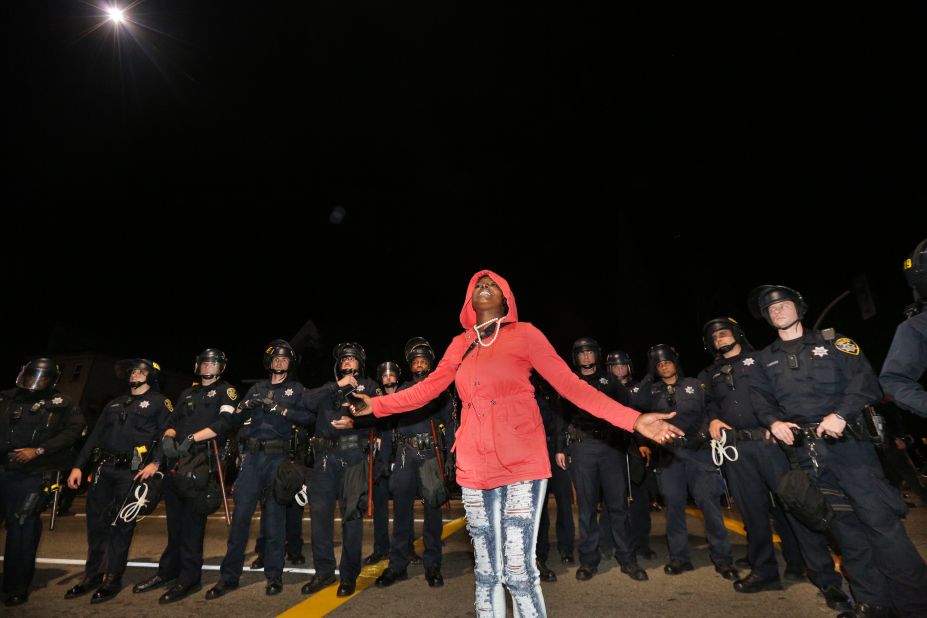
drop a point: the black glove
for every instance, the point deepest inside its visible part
(252, 404)
(169, 446)
(272, 407)
(183, 449)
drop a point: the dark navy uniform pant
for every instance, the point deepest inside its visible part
(254, 484)
(405, 483)
(639, 514)
(381, 516)
(882, 565)
(21, 539)
(759, 466)
(599, 471)
(561, 487)
(294, 531)
(108, 545)
(327, 489)
(183, 557)
(690, 471)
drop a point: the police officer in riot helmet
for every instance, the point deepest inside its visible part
(38, 429)
(339, 444)
(810, 389)
(619, 364)
(907, 358)
(598, 465)
(755, 472)
(205, 409)
(265, 417)
(687, 468)
(123, 448)
(414, 436)
(388, 375)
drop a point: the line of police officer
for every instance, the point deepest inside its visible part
(794, 406)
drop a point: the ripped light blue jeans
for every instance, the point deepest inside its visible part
(503, 525)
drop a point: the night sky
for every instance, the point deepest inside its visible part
(230, 170)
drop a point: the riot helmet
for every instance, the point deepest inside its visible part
(126, 367)
(586, 344)
(39, 374)
(713, 326)
(210, 355)
(349, 350)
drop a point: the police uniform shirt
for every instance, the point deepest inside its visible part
(323, 405)
(610, 385)
(727, 388)
(201, 407)
(439, 410)
(805, 379)
(32, 420)
(257, 424)
(688, 394)
(126, 423)
(906, 363)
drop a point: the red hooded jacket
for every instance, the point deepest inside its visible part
(501, 437)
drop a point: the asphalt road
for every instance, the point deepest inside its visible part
(698, 593)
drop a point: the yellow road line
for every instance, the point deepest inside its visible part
(324, 601)
(734, 525)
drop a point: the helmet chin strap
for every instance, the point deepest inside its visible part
(421, 374)
(589, 366)
(727, 348)
(138, 384)
(278, 372)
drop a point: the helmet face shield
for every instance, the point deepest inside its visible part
(38, 375)
(586, 344)
(130, 369)
(278, 348)
(210, 363)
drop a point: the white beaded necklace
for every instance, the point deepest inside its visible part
(477, 328)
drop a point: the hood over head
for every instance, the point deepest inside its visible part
(468, 315)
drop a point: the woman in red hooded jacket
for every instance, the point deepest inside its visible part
(501, 449)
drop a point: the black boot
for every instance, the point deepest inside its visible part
(634, 571)
(547, 575)
(585, 572)
(433, 577)
(111, 586)
(318, 582)
(178, 592)
(375, 557)
(274, 586)
(84, 587)
(754, 583)
(221, 588)
(675, 567)
(727, 571)
(155, 581)
(390, 577)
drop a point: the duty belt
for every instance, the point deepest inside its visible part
(578, 434)
(120, 460)
(270, 447)
(420, 441)
(746, 435)
(341, 444)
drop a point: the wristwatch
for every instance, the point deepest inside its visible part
(40, 451)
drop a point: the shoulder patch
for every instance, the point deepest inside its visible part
(168, 405)
(847, 346)
(232, 393)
